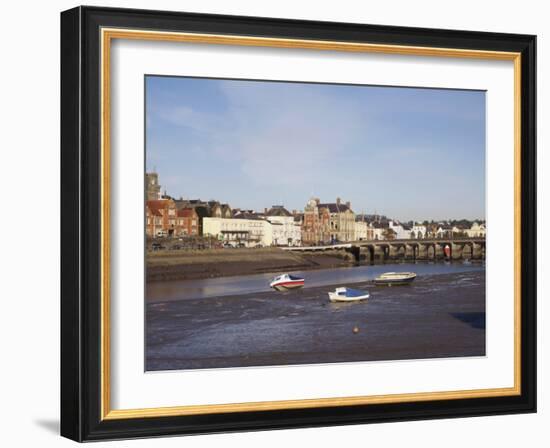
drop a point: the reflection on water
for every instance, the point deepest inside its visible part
(246, 284)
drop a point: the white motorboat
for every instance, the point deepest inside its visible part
(347, 295)
(395, 278)
(286, 282)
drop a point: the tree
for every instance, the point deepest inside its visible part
(389, 234)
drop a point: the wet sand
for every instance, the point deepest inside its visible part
(437, 316)
(182, 265)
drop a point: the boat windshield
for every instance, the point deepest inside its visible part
(356, 293)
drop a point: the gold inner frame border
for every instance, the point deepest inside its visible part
(107, 35)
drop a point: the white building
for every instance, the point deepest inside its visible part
(444, 231)
(377, 233)
(361, 230)
(238, 232)
(419, 231)
(400, 232)
(476, 230)
(285, 231)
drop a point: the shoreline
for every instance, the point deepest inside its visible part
(210, 264)
(231, 263)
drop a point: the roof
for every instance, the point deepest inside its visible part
(186, 212)
(158, 204)
(246, 214)
(186, 203)
(278, 210)
(334, 207)
(154, 211)
(202, 211)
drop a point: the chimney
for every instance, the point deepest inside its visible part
(317, 201)
(348, 204)
(338, 200)
(294, 212)
(265, 210)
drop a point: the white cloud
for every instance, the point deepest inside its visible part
(288, 130)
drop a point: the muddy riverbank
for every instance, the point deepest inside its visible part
(213, 263)
(437, 316)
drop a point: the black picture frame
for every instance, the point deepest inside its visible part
(81, 224)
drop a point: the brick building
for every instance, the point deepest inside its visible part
(187, 222)
(315, 223)
(163, 212)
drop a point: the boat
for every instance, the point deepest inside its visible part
(347, 295)
(286, 282)
(395, 278)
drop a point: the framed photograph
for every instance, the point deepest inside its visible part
(273, 223)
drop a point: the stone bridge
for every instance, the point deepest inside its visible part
(372, 251)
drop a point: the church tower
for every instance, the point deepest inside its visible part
(152, 187)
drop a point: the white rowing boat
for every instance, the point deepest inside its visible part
(395, 278)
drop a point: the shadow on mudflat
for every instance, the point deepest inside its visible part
(475, 320)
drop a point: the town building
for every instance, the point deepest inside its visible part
(361, 230)
(377, 232)
(315, 223)
(418, 231)
(298, 218)
(285, 232)
(239, 232)
(163, 211)
(205, 209)
(187, 222)
(477, 230)
(219, 210)
(153, 221)
(444, 231)
(402, 231)
(342, 220)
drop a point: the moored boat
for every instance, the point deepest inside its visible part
(395, 278)
(286, 282)
(347, 295)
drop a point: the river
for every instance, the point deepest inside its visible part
(441, 314)
(247, 284)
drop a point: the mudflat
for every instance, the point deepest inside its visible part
(211, 263)
(435, 317)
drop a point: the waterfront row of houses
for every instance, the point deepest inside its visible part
(319, 223)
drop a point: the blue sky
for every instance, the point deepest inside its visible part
(404, 152)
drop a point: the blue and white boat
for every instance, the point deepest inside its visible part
(347, 295)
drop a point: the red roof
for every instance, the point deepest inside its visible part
(152, 211)
(186, 213)
(158, 204)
